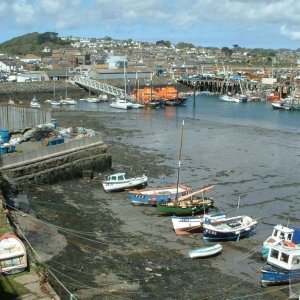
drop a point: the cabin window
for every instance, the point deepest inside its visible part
(274, 253)
(284, 257)
(120, 177)
(289, 237)
(296, 260)
(275, 232)
(10, 262)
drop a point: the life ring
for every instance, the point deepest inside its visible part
(153, 200)
(289, 244)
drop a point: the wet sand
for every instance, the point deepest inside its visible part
(118, 251)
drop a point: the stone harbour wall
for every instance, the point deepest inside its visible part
(64, 164)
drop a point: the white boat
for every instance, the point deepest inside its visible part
(55, 103)
(92, 100)
(193, 224)
(280, 234)
(121, 104)
(68, 101)
(119, 181)
(230, 98)
(13, 257)
(283, 265)
(35, 103)
(205, 251)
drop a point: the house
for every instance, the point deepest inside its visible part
(4, 68)
(31, 59)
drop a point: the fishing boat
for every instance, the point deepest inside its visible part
(280, 234)
(170, 95)
(13, 257)
(146, 97)
(230, 229)
(189, 204)
(154, 195)
(283, 265)
(119, 182)
(194, 224)
(203, 252)
(186, 205)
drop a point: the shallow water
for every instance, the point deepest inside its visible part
(249, 151)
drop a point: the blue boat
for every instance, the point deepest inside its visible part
(280, 234)
(229, 229)
(153, 195)
(283, 265)
(276, 276)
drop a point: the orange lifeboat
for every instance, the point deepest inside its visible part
(273, 97)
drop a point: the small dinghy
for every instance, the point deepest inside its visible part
(205, 251)
(13, 257)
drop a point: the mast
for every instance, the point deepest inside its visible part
(125, 81)
(179, 159)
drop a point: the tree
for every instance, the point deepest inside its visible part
(183, 45)
(227, 51)
(164, 43)
(235, 46)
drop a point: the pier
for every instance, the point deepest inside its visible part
(51, 164)
(219, 85)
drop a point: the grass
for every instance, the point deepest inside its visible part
(4, 225)
(10, 288)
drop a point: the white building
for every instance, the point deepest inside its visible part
(116, 62)
(4, 68)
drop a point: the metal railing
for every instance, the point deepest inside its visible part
(99, 86)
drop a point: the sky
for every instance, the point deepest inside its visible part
(269, 24)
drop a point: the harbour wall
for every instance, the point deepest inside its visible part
(51, 164)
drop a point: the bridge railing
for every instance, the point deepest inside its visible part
(99, 86)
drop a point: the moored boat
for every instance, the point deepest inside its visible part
(280, 234)
(154, 195)
(202, 252)
(35, 103)
(13, 257)
(170, 95)
(121, 104)
(193, 224)
(230, 229)
(119, 182)
(186, 205)
(283, 265)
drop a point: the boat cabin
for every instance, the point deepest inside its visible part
(118, 177)
(285, 256)
(282, 233)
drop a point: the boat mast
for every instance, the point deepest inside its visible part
(125, 78)
(179, 159)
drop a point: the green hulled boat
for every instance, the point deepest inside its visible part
(186, 205)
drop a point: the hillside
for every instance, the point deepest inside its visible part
(32, 43)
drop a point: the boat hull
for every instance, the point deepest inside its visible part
(126, 184)
(203, 252)
(275, 276)
(165, 209)
(233, 231)
(152, 196)
(193, 224)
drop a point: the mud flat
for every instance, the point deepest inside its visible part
(118, 251)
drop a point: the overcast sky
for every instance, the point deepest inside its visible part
(219, 23)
